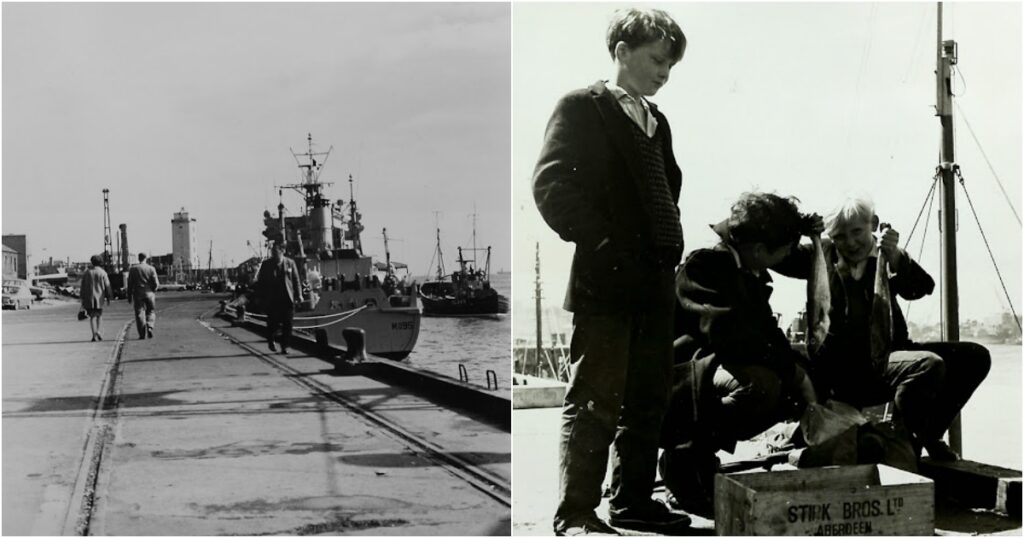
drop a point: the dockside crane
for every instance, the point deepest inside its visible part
(114, 272)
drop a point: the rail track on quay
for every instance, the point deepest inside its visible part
(491, 485)
(214, 435)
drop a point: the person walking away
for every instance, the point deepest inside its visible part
(95, 291)
(142, 285)
(607, 180)
(279, 288)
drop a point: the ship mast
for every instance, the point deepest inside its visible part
(353, 216)
(945, 58)
(540, 339)
(536, 295)
(440, 260)
(387, 253)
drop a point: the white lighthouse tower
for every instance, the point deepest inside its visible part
(183, 242)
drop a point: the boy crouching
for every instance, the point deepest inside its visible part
(735, 369)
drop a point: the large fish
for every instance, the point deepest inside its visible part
(819, 300)
(881, 317)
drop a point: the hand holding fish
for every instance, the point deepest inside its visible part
(813, 225)
(890, 246)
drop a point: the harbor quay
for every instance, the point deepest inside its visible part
(201, 431)
(991, 434)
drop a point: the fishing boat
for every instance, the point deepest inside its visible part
(466, 291)
(342, 287)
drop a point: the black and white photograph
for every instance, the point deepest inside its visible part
(767, 268)
(257, 268)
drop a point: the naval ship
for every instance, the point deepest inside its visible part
(342, 287)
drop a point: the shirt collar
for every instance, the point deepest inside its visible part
(856, 271)
(622, 95)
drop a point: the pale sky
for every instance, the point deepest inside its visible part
(196, 105)
(805, 99)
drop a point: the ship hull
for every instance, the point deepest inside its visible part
(491, 304)
(391, 324)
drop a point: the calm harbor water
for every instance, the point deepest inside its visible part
(991, 420)
(479, 344)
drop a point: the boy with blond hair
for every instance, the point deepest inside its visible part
(928, 382)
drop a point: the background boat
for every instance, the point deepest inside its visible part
(466, 291)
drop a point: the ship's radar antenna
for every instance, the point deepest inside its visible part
(310, 167)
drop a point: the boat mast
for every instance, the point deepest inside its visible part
(474, 233)
(945, 58)
(353, 216)
(440, 260)
(387, 254)
(540, 340)
(536, 295)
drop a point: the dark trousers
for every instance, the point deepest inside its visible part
(145, 312)
(747, 400)
(280, 316)
(621, 375)
(751, 398)
(929, 383)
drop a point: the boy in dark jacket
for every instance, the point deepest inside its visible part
(735, 368)
(607, 180)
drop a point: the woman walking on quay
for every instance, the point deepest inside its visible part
(95, 289)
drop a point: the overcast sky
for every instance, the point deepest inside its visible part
(813, 100)
(196, 105)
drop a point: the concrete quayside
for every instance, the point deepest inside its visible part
(970, 498)
(201, 431)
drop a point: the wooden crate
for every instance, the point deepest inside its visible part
(828, 501)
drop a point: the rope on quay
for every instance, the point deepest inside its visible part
(342, 316)
(339, 320)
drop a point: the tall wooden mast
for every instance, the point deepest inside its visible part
(536, 296)
(946, 57)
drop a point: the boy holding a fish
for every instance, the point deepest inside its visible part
(928, 382)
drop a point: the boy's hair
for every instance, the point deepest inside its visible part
(96, 260)
(637, 27)
(850, 209)
(765, 218)
(142, 256)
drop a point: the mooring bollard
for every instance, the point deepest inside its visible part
(355, 344)
(321, 340)
(223, 307)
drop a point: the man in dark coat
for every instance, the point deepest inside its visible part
(142, 285)
(736, 371)
(280, 290)
(607, 180)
